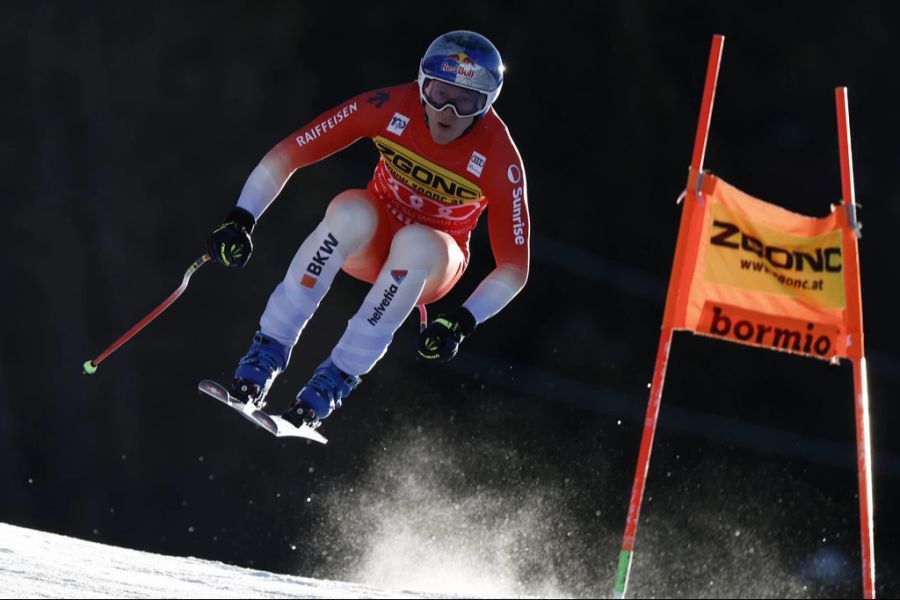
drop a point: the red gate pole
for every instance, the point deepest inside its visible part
(856, 349)
(674, 298)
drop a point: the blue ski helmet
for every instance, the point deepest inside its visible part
(465, 59)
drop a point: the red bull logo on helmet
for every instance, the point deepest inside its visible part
(459, 63)
(461, 57)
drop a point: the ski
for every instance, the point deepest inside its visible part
(271, 423)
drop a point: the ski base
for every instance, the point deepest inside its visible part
(271, 423)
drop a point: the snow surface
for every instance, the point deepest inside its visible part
(34, 564)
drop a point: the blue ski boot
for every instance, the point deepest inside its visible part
(318, 398)
(258, 369)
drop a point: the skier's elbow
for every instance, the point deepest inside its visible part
(515, 274)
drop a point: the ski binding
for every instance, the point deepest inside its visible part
(274, 424)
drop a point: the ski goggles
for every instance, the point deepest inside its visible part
(464, 102)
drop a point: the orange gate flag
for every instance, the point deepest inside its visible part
(762, 275)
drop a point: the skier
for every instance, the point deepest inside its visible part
(445, 157)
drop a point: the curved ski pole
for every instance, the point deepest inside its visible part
(90, 366)
(423, 317)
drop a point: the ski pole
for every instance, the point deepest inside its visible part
(423, 317)
(90, 366)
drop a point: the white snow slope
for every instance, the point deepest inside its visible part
(35, 564)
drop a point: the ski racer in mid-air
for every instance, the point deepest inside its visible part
(446, 157)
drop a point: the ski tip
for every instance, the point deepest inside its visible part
(287, 429)
(214, 389)
(311, 435)
(89, 368)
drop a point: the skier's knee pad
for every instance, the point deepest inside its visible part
(419, 246)
(353, 218)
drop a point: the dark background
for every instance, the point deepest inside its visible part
(128, 131)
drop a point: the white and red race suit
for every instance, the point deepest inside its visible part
(445, 187)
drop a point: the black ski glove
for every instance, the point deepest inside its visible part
(230, 244)
(439, 342)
